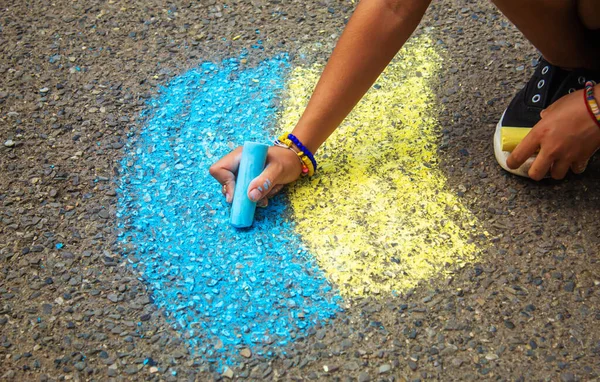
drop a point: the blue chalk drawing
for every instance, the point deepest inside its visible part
(223, 288)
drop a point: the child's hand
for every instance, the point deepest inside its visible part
(566, 137)
(283, 167)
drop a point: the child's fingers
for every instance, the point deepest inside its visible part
(274, 191)
(262, 184)
(540, 167)
(224, 172)
(559, 169)
(262, 203)
(524, 150)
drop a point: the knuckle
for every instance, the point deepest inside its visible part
(540, 130)
(516, 158)
(535, 174)
(553, 152)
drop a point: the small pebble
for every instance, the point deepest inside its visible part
(569, 286)
(330, 369)
(567, 377)
(80, 366)
(132, 369)
(227, 373)
(384, 368)
(457, 362)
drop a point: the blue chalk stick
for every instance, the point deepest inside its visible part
(254, 157)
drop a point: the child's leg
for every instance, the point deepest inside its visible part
(589, 12)
(559, 29)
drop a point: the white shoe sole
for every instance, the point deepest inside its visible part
(501, 156)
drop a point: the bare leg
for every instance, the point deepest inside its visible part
(559, 29)
(589, 12)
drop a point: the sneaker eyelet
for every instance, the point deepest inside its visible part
(571, 90)
(581, 80)
(541, 84)
(536, 98)
(545, 69)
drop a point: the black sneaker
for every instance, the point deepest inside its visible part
(548, 84)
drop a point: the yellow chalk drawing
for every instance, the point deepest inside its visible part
(378, 215)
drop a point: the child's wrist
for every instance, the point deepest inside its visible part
(292, 143)
(591, 103)
(308, 139)
(286, 151)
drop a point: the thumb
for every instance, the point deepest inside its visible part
(260, 186)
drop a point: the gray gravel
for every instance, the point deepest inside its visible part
(75, 76)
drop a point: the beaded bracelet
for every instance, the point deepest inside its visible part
(303, 154)
(303, 149)
(285, 140)
(590, 102)
(305, 168)
(310, 170)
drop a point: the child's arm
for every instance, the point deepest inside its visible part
(374, 34)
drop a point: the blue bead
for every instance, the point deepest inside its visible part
(303, 149)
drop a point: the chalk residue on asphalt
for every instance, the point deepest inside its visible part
(378, 216)
(224, 289)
